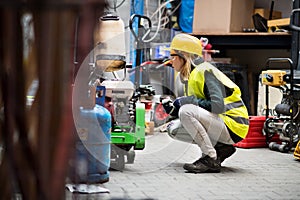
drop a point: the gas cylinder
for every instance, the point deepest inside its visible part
(92, 161)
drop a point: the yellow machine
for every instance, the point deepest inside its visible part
(286, 121)
(273, 77)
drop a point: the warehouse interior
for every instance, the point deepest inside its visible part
(82, 85)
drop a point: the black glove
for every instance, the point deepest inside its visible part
(169, 107)
(185, 100)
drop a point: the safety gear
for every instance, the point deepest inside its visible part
(169, 107)
(224, 151)
(204, 164)
(186, 43)
(180, 101)
(236, 115)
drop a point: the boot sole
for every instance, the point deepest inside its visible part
(203, 171)
(197, 171)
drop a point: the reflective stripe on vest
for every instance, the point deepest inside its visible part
(236, 115)
(234, 105)
(240, 120)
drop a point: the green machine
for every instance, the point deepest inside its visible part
(124, 101)
(119, 95)
(128, 119)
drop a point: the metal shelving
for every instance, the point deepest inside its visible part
(276, 40)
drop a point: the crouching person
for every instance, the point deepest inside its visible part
(212, 114)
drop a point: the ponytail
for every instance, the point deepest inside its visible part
(189, 63)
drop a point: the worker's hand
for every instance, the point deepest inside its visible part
(185, 100)
(169, 107)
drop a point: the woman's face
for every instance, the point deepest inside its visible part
(176, 61)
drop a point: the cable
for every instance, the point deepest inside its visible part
(175, 9)
(161, 20)
(115, 4)
(156, 32)
(159, 10)
(161, 7)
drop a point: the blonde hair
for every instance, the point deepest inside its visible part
(187, 67)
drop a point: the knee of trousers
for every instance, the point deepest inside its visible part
(186, 111)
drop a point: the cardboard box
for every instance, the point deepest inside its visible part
(279, 22)
(265, 13)
(149, 128)
(222, 16)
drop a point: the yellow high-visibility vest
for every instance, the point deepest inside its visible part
(235, 115)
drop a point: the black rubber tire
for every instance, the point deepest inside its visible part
(130, 156)
(117, 159)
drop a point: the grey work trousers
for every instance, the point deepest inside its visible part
(197, 125)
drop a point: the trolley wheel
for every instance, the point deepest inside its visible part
(130, 156)
(279, 147)
(268, 131)
(291, 130)
(117, 161)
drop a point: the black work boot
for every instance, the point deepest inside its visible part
(204, 164)
(224, 150)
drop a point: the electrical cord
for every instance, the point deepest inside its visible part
(159, 11)
(115, 4)
(161, 21)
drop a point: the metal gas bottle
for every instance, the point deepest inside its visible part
(93, 126)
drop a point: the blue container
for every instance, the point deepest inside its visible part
(186, 16)
(93, 149)
(101, 93)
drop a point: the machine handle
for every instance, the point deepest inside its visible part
(118, 137)
(278, 60)
(292, 22)
(139, 17)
